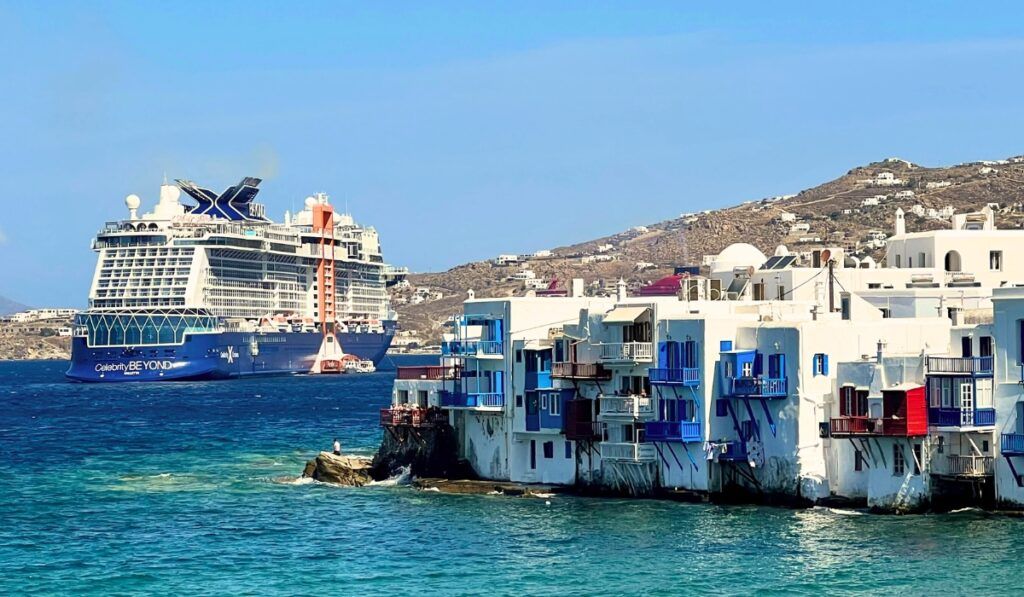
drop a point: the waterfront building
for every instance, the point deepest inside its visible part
(756, 378)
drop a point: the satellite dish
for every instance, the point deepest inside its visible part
(826, 255)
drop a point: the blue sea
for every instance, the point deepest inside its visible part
(189, 488)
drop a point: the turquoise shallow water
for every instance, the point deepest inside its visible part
(174, 488)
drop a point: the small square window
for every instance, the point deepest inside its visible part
(549, 450)
(995, 260)
(721, 408)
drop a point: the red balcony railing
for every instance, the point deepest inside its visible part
(400, 416)
(430, 373)
(852, 426)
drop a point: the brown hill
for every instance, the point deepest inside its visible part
(834, 211)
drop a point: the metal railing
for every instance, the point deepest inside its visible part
(412, 417)
(630, 452)
(687, 376)
(629, 406)
(973, 466)
(628, 351)
(960, 365)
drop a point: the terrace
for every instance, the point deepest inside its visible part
(627, 352)
(472, 348)
(631, 406)
(969, 466)
(412, 417)
(684, 376)
(1012, 444)
(429, 373)
(756, 387)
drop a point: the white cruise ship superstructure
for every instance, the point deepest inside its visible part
(217, 290)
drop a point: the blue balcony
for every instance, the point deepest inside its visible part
(673, 431)
(476, 400)
(735, 451)
(1012, 444)
(472, 348)
(962, 366)
(755, 387)
(956, 417)
(685, 376)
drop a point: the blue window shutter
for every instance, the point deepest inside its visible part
(499, 385)
(725, 345)
(663, 354)
(824, 365)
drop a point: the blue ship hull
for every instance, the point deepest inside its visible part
(223, 355)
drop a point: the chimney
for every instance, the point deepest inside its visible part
(901, 223)
(881, 351)
(620, 290)
(577, 287)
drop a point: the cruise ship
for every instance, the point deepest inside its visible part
(216, 290)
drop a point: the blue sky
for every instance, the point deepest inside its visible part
(463, 130)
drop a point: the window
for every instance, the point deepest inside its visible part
(725, 345)
(985, 346)
(543, 401)
(519, 356)
(549, 450)
(403, 396)
(922, 260)
(533, 453)
(965, 346)
(721, 408)
(899, 260)
(421, 398)
(858, 460)
(886, 313)
(782, 292)
(910, 261)
(995, 261)
(917, 459)
(568, 449)
(519, 401)
(819, 365)
(898, 462)
(555, 406)
(984, 446)
(747, 369)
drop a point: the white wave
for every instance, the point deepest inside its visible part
(432, 489)
(404, 477)
(295, 480)
(841, 511)
(962, 510)
(543, 495)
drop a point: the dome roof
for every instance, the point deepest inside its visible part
(738, 255)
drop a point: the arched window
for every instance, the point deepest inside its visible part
(952, 261)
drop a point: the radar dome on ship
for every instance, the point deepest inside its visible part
(132, 201)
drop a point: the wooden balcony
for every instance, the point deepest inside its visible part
(673, 431)
(968, 466)
(401, 416)
(973, 366)
(1012, 444)
(628, 452)
(683, 376)
(627, 352)
(580, 371)
(756, 387)
(578, 421)
(849, 426)
(429, 373)
(631, 407)
(956, 417)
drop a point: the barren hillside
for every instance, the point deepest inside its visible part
(840, 212)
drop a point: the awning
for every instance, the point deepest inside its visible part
(625, 314)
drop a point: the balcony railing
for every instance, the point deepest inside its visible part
(969, 466)
(472, 348)
(628, 452)
(673, 431)
(1012, 444)
(480, 400)
(956, 417)
(430, 373)
(630, 352)
(582, 430)
(687, 376)
(594, 371)
(412, 417)
(978, 366)
(757, 387)
(735, 451)
(627, 406)
(852, 426)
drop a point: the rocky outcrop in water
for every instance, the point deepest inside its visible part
(352, 471)
(429, 452)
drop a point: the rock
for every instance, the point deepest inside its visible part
(351, 471)
(430, 452)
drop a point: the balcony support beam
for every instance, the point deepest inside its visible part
(856, 449)
(662, 456)
(1013, 470)
(753, 421)
(768, 415)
